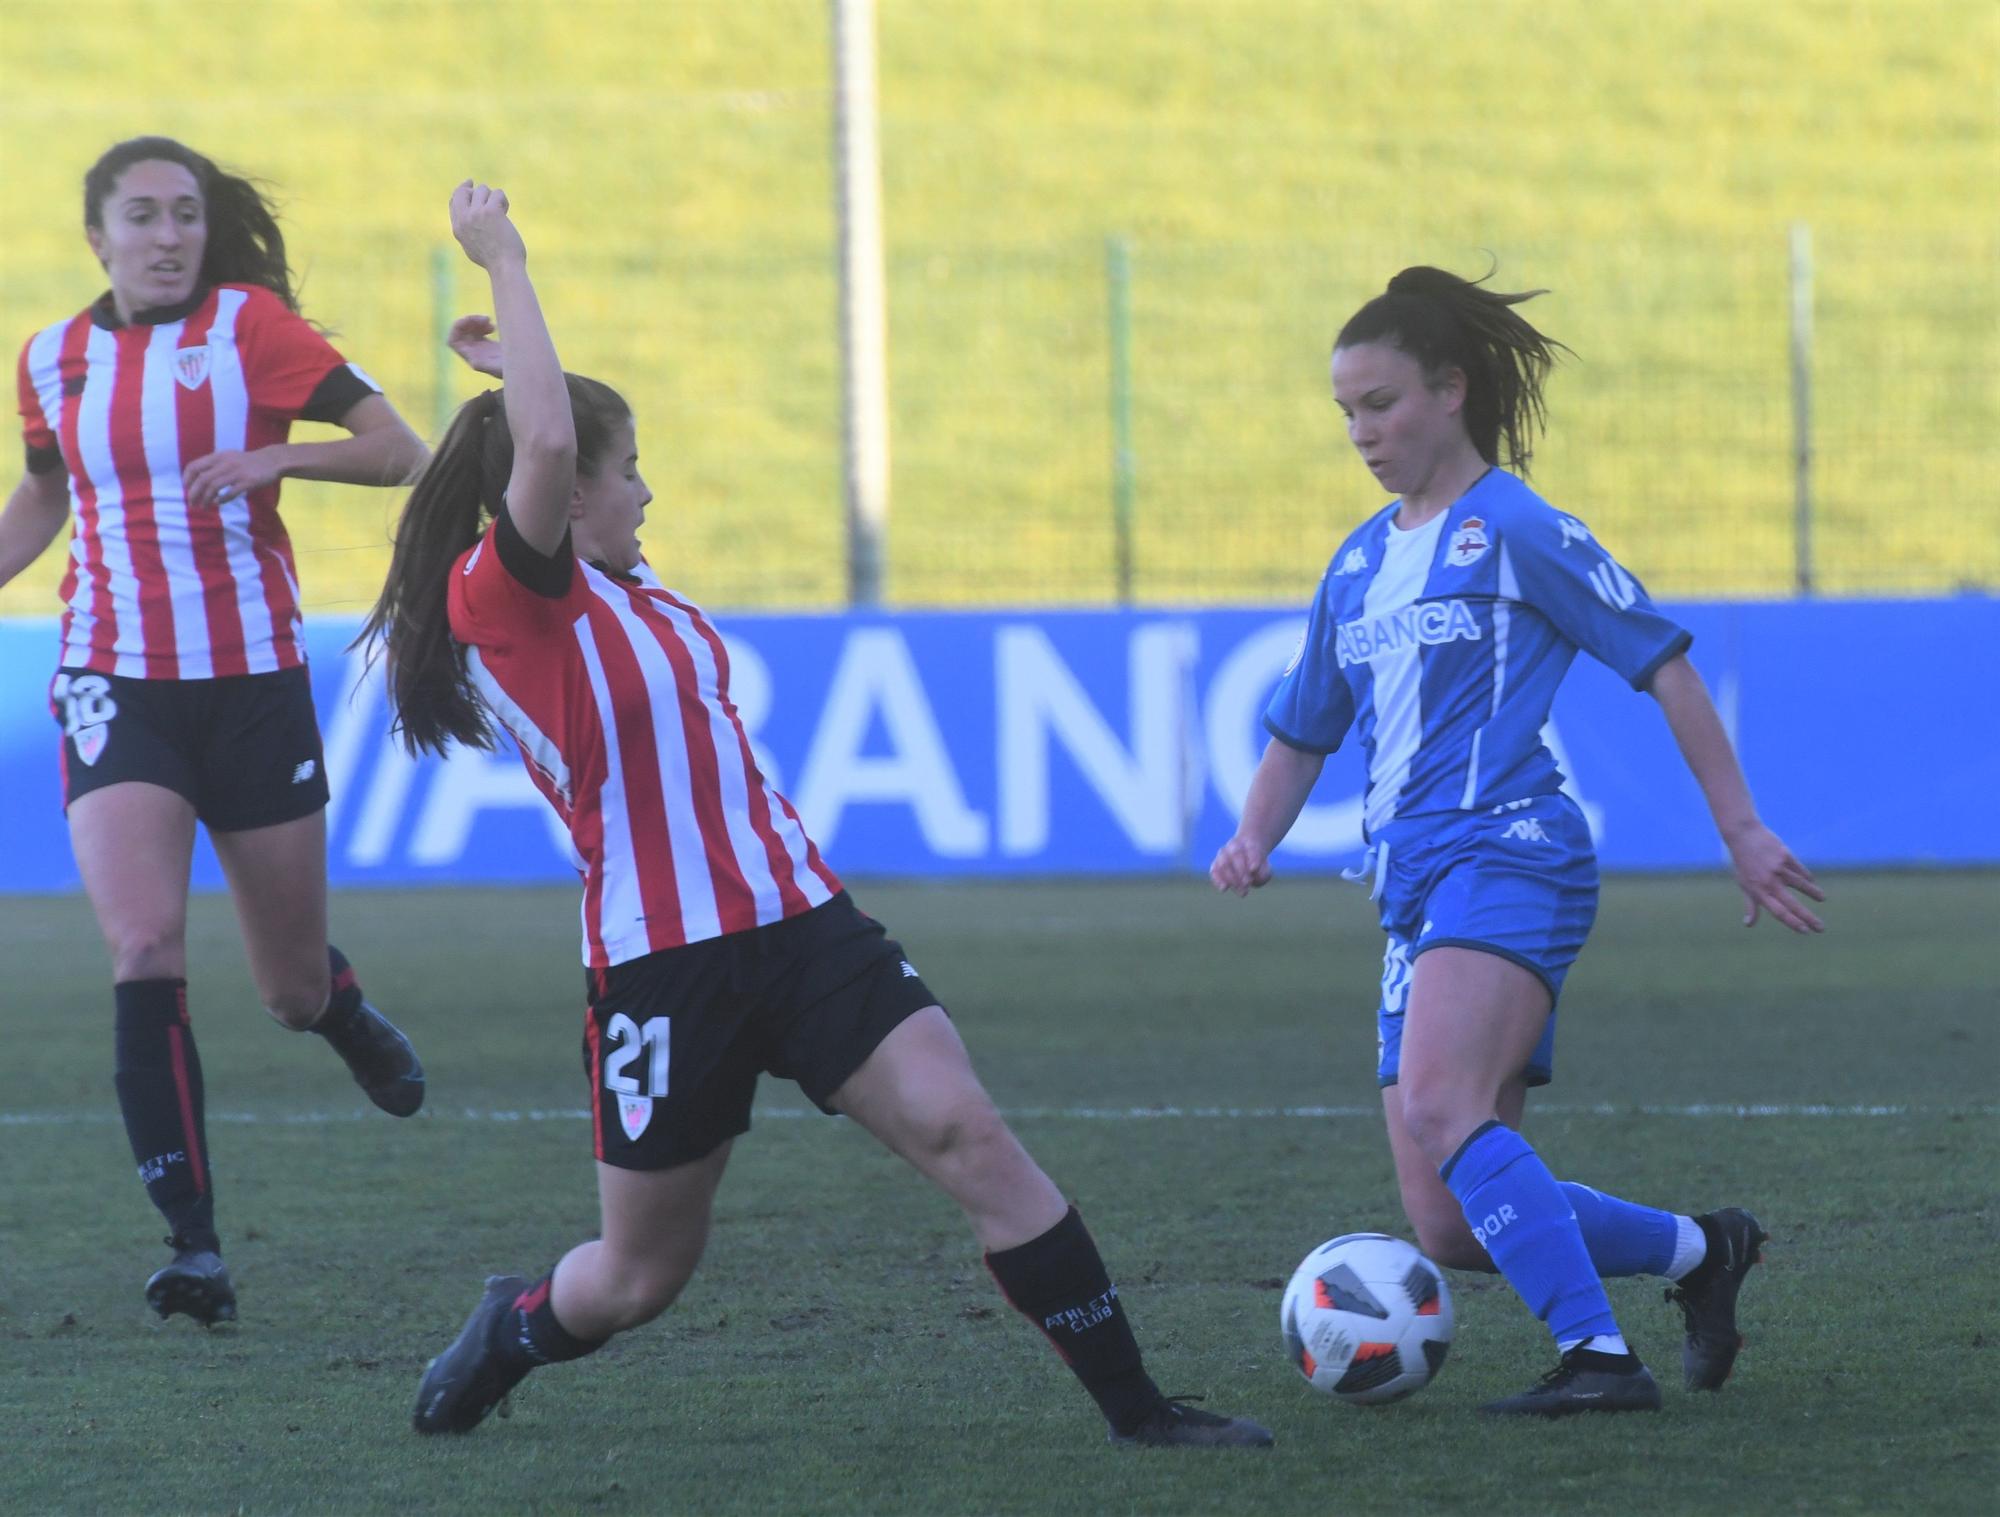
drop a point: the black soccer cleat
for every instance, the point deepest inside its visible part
(196, 1284)
(1172, 1423)
(1706, 1296)
(470, 1378)
(380, 1058)
(1585, 1381)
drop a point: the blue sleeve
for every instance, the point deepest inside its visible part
(1313, 706)
(1593, 600)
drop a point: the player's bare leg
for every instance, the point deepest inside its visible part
(918, 1094)
(654, 1226)
(277, 880)
(1473, 1020)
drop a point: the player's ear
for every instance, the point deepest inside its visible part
(575, 512)
(96, 238)
(1451, 386)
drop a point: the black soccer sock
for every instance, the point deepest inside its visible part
(158, 1077)
(529, 1333)
(1058, 1282)
(342, 1003)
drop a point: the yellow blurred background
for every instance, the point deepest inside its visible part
(1267, 163)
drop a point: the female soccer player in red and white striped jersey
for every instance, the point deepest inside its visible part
(718, 945)
(159, 416)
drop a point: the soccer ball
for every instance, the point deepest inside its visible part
(1367, 1319)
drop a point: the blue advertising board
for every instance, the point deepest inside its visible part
(994, 743)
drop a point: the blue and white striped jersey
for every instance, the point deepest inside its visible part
(1444, 647)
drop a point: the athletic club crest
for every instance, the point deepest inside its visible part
(191, 367)
(1468, 543)
(90, 741)
(634, 1112)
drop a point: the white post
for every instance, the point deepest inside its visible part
(864, 334)
(1802, 348)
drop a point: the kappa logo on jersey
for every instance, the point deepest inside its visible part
(1527, 829)
(634, 1112)
(1355, 561)
(1425, 624)
(1573, 531)
(191, 367)
(1468, 543)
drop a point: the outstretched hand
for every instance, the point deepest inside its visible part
(479, 222)
(472, 339)
(1768, 874)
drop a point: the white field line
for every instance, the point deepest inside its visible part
(108, 1116)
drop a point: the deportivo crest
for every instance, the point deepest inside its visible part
(191, 367)
(634, 1112)
(1468, 543)
(90, 742)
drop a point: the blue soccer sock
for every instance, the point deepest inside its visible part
(1623, 1238)
(1525, 1222)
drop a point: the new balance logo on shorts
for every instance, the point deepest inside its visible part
(1527, 829)
(305, 771)
(909, 970)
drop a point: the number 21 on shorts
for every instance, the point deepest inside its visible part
(636, 1093)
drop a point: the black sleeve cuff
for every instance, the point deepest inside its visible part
(549, 577)
(1297, 742)
(336, 395)
(1683, 640)
(44, 460)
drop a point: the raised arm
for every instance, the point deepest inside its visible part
(1764, 866)
(536, 395)
(33, 516)
(1284, 778)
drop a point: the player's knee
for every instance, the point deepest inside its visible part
(972, 1139)
(150, 951)
(1438, 1117)
(640, 1290)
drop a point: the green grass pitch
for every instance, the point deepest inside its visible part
(842, 1350)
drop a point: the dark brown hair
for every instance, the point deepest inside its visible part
(462, 487)
(1445, 322)
(245, 245)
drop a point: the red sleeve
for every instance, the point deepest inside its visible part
(35, 429)
(284, 359)
(489, 607)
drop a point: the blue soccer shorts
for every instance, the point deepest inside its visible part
(1518, 880)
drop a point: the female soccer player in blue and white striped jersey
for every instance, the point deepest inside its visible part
(1439, 634)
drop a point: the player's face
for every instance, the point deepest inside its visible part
(154, 229)
(614, 501)
(1402, 427)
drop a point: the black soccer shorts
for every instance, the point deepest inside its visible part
(244, 749)
(674, 1043)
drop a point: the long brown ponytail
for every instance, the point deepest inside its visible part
(462, 488)
(1443, 321)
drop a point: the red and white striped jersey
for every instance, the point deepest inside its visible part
(617, 692)
(154, 590)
